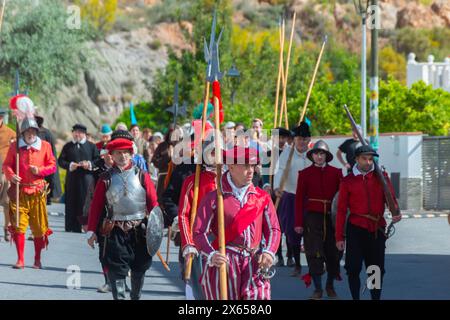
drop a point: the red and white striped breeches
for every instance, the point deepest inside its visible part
(244, 282)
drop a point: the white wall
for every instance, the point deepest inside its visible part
(399, 152)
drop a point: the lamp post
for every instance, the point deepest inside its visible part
(361, 9)
(234, 76)
(374, 119)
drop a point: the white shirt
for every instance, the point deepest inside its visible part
(239, 193)
(35, 145)
(299, 162)
(357, 172)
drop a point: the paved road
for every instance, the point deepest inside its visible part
(417, 264)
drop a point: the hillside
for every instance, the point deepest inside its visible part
(127, 58)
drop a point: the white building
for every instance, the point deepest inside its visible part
(435, 73)
(401, 155)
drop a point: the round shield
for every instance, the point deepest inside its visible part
(154, 232)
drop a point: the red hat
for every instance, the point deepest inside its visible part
(119, 144)
(241, 155)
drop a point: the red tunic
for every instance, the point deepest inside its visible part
(42, 158)
(100, 145)
(207, 184)
(315, 183)
(362, 195)
(99, 200)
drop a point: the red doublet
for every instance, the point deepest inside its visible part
(314, 184)
(207, 183)
(99, 200)
(265, 223)
(363, 195)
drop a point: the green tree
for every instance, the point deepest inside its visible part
(36, 40)
(99, 14)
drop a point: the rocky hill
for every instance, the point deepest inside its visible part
(126, 61)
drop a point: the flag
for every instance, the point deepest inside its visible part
(216, 93)
(132, 115)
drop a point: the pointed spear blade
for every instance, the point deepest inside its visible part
(175, 96)
(183, 110)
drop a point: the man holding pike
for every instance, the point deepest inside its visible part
(250, 217)
(365, 240)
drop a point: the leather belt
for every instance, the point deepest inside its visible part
(325, 211)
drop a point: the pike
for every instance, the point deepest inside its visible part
(213, 74)
(2, 14)
(387, 193)
(15, 93)
(175, 109)
(291, 153)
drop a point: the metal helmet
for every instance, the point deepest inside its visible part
(320, 146)
(28, 123)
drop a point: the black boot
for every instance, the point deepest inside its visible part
(137, 282)
(355, 285)
(118, 289)
(375, 294)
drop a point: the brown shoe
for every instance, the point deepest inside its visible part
(331, 293)
(317, 295)
(297, 272)
(7, 235)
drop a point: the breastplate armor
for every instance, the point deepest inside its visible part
(125, 196)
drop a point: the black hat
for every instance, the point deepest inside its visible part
(320, 146)
(3, 112)
(302, 130)
(79, 127)
(122, 134)
(282, 132)
(367, 150)
(39, 120)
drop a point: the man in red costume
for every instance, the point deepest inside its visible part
(362, 193)
(207, 183)
(252, 233)
(36, 161)
(316, 187)
(129, 195)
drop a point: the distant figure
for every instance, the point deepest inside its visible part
(53, 179)
(77, 157)
(348, 147)
(106, 132)
(7, 135)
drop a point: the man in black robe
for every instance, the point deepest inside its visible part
(53, 179)
(78, 157)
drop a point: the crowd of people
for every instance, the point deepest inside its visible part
(271, 185)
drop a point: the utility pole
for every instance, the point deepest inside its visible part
(361, 8)
(374, 122)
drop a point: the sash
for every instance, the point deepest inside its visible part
(245, 216)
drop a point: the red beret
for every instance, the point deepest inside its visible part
(241, 155)
(119, 144)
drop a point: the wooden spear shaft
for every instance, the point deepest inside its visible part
(284, 100)
(279, 80)
(280, 70)
(169, 235)
(220, 209)
(1, 15)
(291, 153)
(283, 82)
(17, 173)
(198, 168)
(158, 253)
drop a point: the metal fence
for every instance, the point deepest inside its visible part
(436, 173)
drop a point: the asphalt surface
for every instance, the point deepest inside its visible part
(417, 264)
